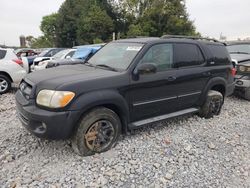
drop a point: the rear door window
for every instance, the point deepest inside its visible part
(188, 55)
(2, 54)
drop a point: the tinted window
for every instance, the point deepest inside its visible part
(188, 55)
(219, 53)
(2, 54)
(161, 55)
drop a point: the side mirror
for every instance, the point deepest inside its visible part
(147, 68)
(68, 57)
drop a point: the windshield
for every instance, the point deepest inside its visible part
(82, 53)
(43, 53)
(116, 55)
(239, 48)
(60, 54)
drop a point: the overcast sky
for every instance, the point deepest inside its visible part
(211, 17)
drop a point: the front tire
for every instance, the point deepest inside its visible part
(98, 132)
(5, 84)
(213, 105)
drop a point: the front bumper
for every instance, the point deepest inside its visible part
(43, 123)
(242, 83)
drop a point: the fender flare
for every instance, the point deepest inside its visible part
(88, 101)
(210, 84)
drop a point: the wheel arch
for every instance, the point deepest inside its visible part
(110, 99)
(6, 74)
(217, 84)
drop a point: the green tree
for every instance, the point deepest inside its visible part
(49, 28)
(68, 19)
(41, 42)
(95, 24)
(86, 21)
(156, 17)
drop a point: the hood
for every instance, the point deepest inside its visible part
(38, 59)
(71, 61)
(54, 77)
(240, 57)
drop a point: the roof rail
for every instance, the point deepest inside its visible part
(188, 37)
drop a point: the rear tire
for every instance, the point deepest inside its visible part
(98, 132)
(5, 84)
(212, 106)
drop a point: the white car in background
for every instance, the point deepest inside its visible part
(64, 54)
(11, 70)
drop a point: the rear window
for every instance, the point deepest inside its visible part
(2, 54)
(219, 53)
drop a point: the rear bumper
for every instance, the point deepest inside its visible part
(43, 123)
(230, 89)
(17, 76)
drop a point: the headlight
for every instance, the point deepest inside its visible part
(54, 99)
(242, 68)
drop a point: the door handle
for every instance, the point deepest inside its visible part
(171, 78)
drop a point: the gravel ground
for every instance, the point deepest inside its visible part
(184, 152)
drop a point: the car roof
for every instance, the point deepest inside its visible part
(238, 42)
(89, 45)
(157, 39)
(138, 40)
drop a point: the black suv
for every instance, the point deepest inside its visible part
(125, 85)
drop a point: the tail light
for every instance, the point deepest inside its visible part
(233, 71)
(18, 61)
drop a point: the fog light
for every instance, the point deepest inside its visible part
(41, 129)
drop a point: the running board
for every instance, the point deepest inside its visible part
(137, 124)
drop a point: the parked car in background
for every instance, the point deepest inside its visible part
(242, 78)
(46, 55)
(11, 70)
(240, 54)
(239, 51)
(60, 56)
(125, 85)
(25, 52)
(81, 54)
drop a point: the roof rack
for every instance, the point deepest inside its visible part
(188, 37)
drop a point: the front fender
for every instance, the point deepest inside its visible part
(87, 101)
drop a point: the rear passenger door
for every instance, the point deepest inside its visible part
(192, 73)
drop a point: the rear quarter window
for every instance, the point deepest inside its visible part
(220, 54)
(2, 54)
(187, 55)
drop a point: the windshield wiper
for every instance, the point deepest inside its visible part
(107, 67)
(88, 64)
(239, 53)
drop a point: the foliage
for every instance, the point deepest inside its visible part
(41, 42)
(95, 24)
(88, 21)
(49, 28)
